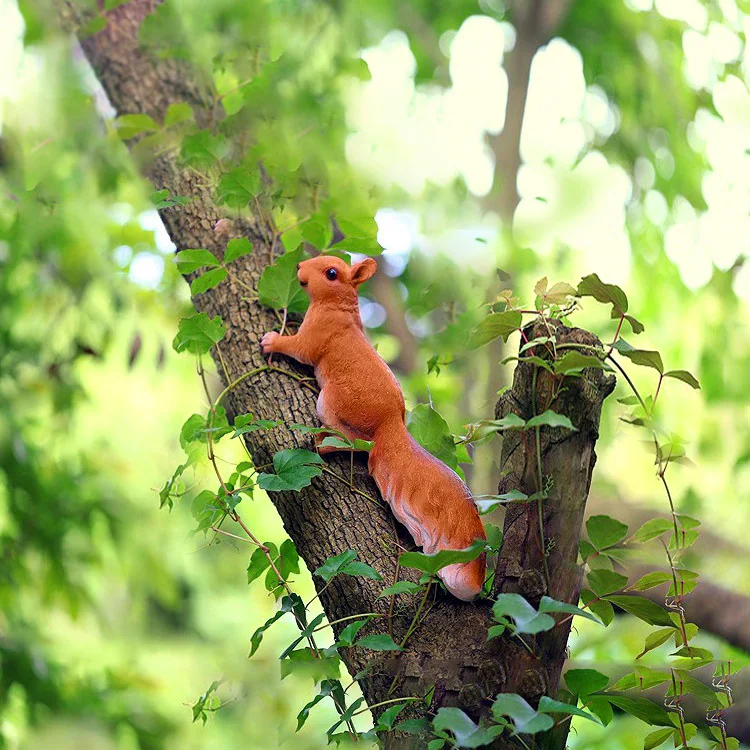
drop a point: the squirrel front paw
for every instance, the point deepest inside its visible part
(268, 341)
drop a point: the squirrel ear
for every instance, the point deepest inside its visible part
(363, 271)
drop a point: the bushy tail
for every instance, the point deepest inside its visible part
(432, 502)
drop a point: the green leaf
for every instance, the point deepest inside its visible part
(327, 687)
(465, 731)
(583, 682)
(651, 529)
(686, 683)
(366, 246)
(357, 568)
(684, 376)
(547, 604)
(643, 678)
(602, 609)
(295, 468)
(94, 26)
(197, 334)
(549, 706)
(335, 565)
(388, 717)
(593, 286)
(128, 126)
(304, 662)
(688, 522)
(635, 325)
(191, 260)
(642, 709)
(278, 287)
(643, 609)
(318, 231)
(599, 705)
(650, 580)
(558, 293)
(257, 637)
(550, 418)
(346, 564)
(486, 504)
(237, 248)
(238, 187)
(202, 149)
(500, 324)
(574, 363)
(401, 587)
(605, 531)
(177, 113)
(349, 633)
(259, 562)
(194, 429)
(603, 582)
(412, 726)
(207, 281)
(525, 617)
(659, 737)
(532, 360)
(288, 561)
(431, 564)
(641, 357)
(495, 631)
(431, 431)
(656, 639)
(378, 642)
(245, 423)
(525, 719)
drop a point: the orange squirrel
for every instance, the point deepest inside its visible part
(361, 398)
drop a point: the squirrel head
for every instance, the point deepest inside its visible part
(327, 278)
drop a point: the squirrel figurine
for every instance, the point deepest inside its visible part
(361, 398)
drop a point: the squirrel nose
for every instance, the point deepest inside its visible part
(298, 265)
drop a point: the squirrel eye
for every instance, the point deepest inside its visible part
(331, 274)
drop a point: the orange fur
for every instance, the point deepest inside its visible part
(361, 397)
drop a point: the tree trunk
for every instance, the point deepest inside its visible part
(449, 649)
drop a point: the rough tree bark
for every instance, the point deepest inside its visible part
(449, 649)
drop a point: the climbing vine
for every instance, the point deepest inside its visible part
(589, 694)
